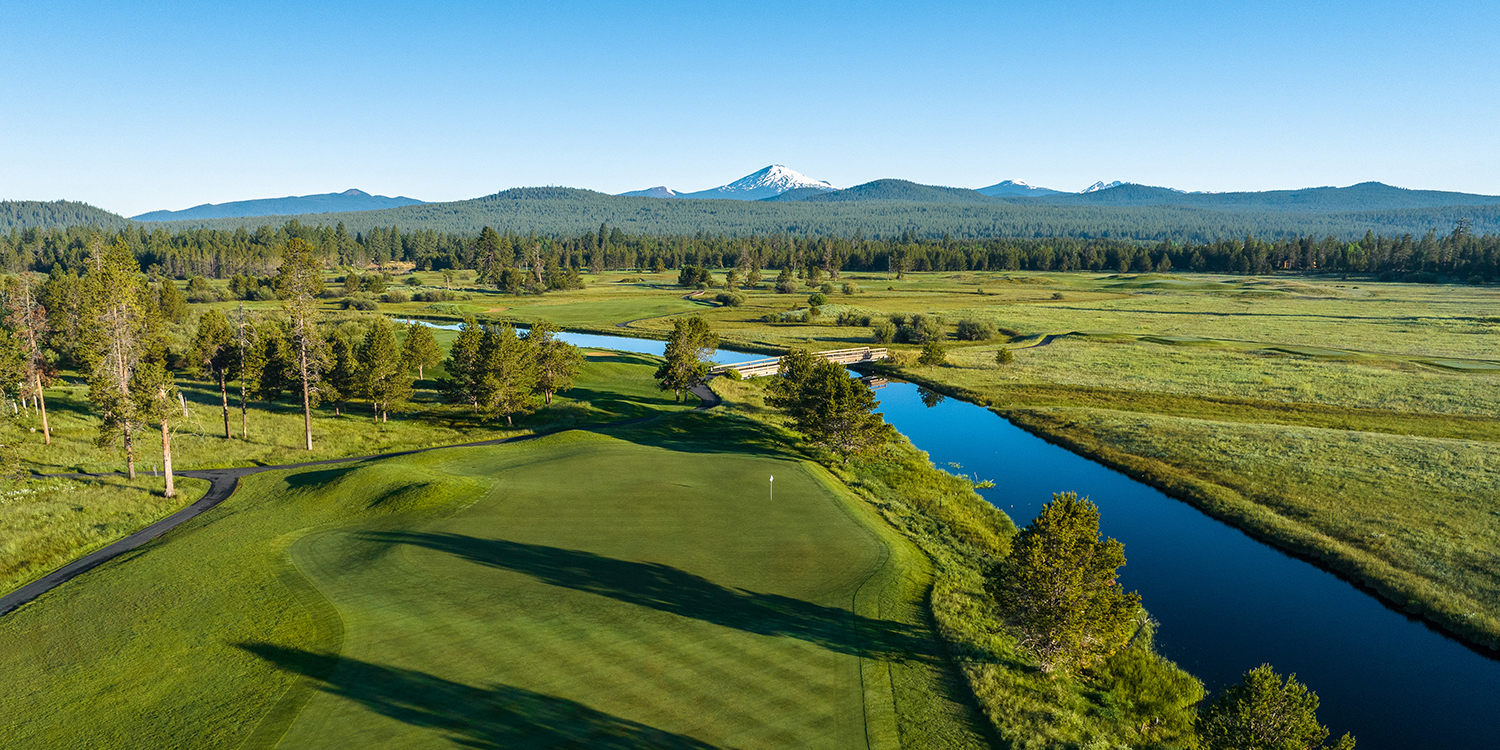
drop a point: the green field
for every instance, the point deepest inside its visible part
(1361, 414)
(620, 588)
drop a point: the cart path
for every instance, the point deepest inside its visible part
(224, 482)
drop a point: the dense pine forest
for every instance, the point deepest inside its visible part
(888, 209)
(1457, 255)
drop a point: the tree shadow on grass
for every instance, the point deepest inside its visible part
(698, 432)
(668, 589)
(497, 716)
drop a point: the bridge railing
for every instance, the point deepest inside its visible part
(770, 366)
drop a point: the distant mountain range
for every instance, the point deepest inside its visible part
(768, 183)
(780, 200)
(323, 203)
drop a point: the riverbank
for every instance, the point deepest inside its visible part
(1150, 703)
(1356, 533)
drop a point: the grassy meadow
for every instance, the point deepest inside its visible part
(1349, 420)
(624, 587)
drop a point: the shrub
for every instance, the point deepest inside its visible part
(733, 374)
(852, 318)
(884, 332)
(975, 330)
(786, 286)
(412, 281)
(395, 297)
(898, 319)
(818, 299)
(434, 295)
(851, 288)
(359, 302)
(1057, 295)
(730, 299)
(826, 288)
(1004, 356)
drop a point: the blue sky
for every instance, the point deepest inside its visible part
(168, 104)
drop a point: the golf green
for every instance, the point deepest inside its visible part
(599, 592)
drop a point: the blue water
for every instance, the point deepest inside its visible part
(1226, 603)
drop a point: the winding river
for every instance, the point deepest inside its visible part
(1226, 602)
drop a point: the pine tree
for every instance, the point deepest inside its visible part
(1058, 585)
(29, 327)
(170, 301)
(557, 361)
(213, 354)
(830, 408)
(464, 365)
(300, 281)
(933, 353)
(116, 341)
(420, 349)
(244, 343)
(507, 383)
(341, 379)
(689, 347)
(1262, 713)
(384, 378)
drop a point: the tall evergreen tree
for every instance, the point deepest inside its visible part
(507, 383)
(385, 379)
(464, 364)
(557, 361)
(29, 328)
(341, 380)
(420, 349)
(116, 341)
(689, 348)
(300, 281)
(214, 355)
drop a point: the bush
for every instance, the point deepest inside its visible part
(264, 294)
(851, 288)
(975, 330)
(733, 374)
(359, 302)
(412, 281)
(395, 297)
(898, 319)
(852, 318)
(435, 295)
(1057, 295)
(730, 299)
(1004, 356)
(826, 288)
(786, 286)
(884, 332)
(818, 299)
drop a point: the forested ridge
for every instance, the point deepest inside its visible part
(1457, 254)
(890, 209)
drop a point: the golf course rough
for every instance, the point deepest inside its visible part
(620, 588)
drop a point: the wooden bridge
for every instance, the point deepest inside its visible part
(770, 366)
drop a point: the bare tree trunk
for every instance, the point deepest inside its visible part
(306, 398)
(224, 399)
(244, 418)
(166, 458)
(420, 376)
(129, 453)
(41, 406)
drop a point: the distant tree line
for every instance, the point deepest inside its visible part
(534, 263)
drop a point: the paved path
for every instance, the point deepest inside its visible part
(223, 483)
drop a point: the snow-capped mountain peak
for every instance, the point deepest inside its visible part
(1096, 187)
(773, 180)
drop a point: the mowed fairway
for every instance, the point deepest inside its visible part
(600, 588)
(631, 587)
